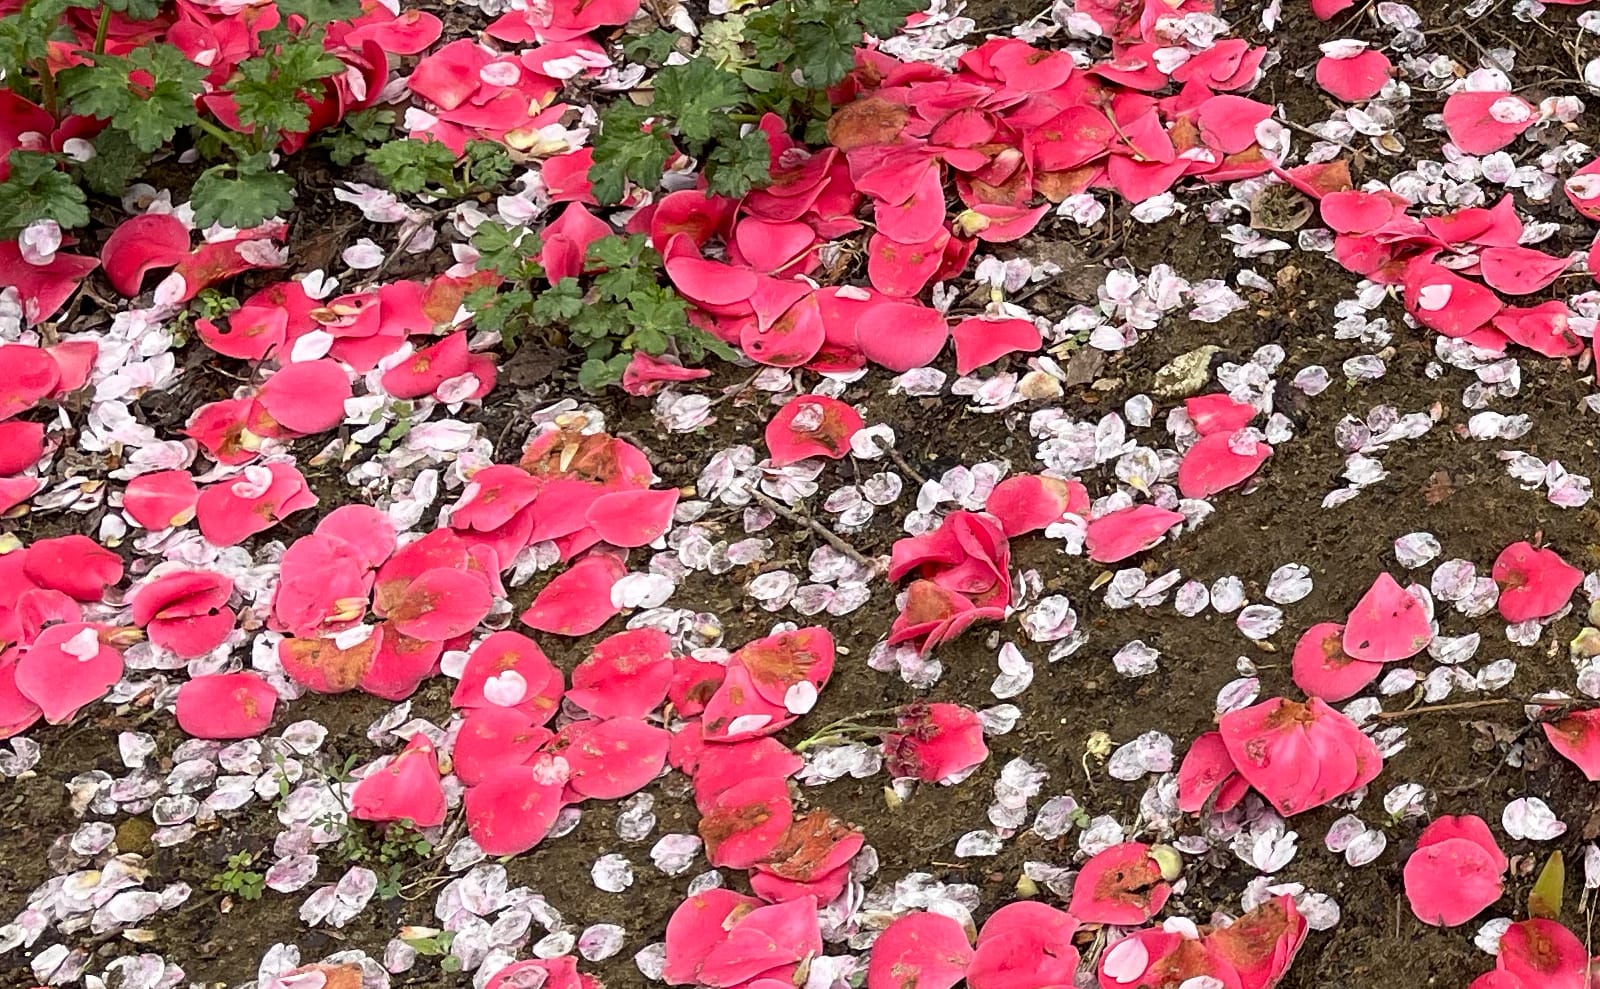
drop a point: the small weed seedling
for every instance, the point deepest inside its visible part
(237, 878)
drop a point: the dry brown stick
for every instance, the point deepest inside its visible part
(827, 535)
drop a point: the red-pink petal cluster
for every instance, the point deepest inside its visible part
(963, 575)
(1297, 756)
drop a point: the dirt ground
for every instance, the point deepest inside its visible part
(1475, 511)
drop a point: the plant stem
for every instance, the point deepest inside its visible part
(100, 30)
(215, 131)
(828, 535)
(47, 87)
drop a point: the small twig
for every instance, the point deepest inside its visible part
(827, 535)
(899, 460)
(1439, 708)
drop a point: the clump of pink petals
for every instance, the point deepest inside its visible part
(1455, 873)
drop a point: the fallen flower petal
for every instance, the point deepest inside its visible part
(226, 705)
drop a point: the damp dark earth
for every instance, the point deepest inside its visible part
(524, 494)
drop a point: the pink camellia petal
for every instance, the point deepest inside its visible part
(612, 757)
(67, 666)
(1356, 78)
(365, 532)
(1217, 462)
(920, 214)
(1218, 414)
(901, 335)
(904, 270)
(1576, 736)
(578, 601)
(934, 742)
(632, 518)
(1449, 882)
(226, 705)
(920, 950)
(324, 666)
(1545, 955)
(21, 446)
(645, 375)
(769, 941)
(141, 244)
(423, 372)
(30, 375)
(17, 712)
(1442, 300)
(744, 823)
(1519, 270)
(1545, 328)
(1121, 885)
(509, 670)
(186, 611)
(625, 675)
(691, 212)
(1387, 624)
(400, 664)
(1299, 756)
(1325, 9)
(565, 241)
(980, 342)
(77, 566)
(737, 710)
(1122, 533)
(696, 927)
(1029, 502)
(1205, 767)
(321, 588)
(407, 788)
(16, 490)
(43, 289)
(1260, 946)
(1497, 980)
(1353, 211)
(75, 360)
(515, 807)
(1228, 122)
(162, 499)
(790, 340)
(773, 247)
(1025, 945)
(231, 511)
(1322, 668)
(811, 426)
(778, 662)
(560, 972)
(492, 738)
(308, 396)
(710, 283)
(442, 604)
(1481, 122)
(1534, 583)
(1583, 191)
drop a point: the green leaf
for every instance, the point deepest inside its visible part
(489, 165)
(624, 150)
(734, 168)
(1544, 900)
(37, 189)
(559, 303)
(882, 18)
(652, 48)
(596, 374)
(321, 11)
(241, 195)
(696, 95)
(150, 114)
(25, 36)
(357, 133)
(411, 165)
(268, 87)
(506, 250)
(116, 163)
(138, 10)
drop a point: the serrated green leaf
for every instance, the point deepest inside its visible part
(321, 11)
(696, 96)
(37, 189)
(625, 151)
(115, 165)
(411, 165)
(242, 195)
(734, 168)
